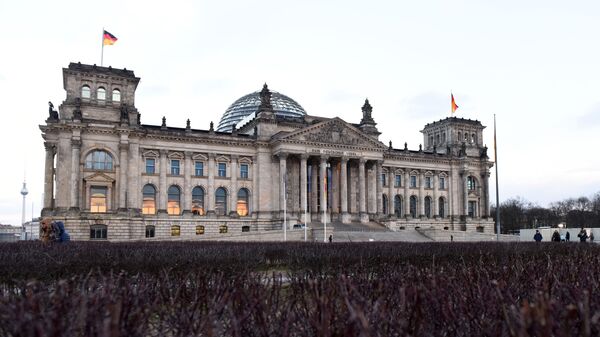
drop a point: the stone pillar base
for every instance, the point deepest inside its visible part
(364, 217)
(346, 217)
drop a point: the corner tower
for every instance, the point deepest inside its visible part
(450, 134)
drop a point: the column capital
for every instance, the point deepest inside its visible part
(362, 161)
(282, 155)
(75, 143)
(124, 147)
(235, 157)
(49, 146)
(324, 159)
(163, 152)
(304, 156)
(188, 154)
(211, 156)
(344, 159)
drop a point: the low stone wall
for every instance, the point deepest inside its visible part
(446, 224)
(464, 236)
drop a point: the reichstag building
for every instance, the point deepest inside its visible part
(110, 177)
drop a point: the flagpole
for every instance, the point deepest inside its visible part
(325, 207)
(285, 207)
(497, 193)
(305, 207)
(102, 42)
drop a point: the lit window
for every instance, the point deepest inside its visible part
(427, 182)
(98, 232)
(244, 171)
(398, 181)
(173, 203)
(199, 230)
(471, 183)
(198, 201)
(101, 94)
(242, 202)
(149, 200)
(222, 170)
(221, 201)
(199, 169)
(442, 183)
(99, 160)
(86, 92)
(116, 95)
(175, 230)
(223, 229)
(413, 181)
(98, 199)
(150, 165)
(175, 167)
(150, 231)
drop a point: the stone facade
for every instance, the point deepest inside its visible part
(107, 176)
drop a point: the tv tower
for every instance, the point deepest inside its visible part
(24, 194)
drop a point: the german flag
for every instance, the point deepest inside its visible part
(108, 39)
(453, 103)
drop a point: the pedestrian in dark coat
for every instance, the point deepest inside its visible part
(568, 236)
(582, 235)
(538, 236)
(62, 235)
(556, 236)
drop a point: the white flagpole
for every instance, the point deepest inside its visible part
(497, 193)
(285, 207)
(325, 207)
(102, 54)
(305, 208)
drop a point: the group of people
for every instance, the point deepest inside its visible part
(53, 231)
(583, 236)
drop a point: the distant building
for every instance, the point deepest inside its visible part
(108, 176)
(32, 229)
(9, 233)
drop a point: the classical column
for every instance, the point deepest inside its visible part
(314, 187)
(210, 194)
(391, 194)
(75, 154)
(133, 181)
(486, 194)
(335, 181)
(434, 203)
(49, 175)
(187, 182)
(406, 193)
(362, 202)
(421, 202)
(123, 169)
(344, 189)
(323, 183)
(303, 187)
(63, 174)
(254, 193)
(379, 182)
(282, 181)
(162, 182)
(465, 194)
(234, 186)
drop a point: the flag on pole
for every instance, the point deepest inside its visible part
(108, 39)
(453, 103)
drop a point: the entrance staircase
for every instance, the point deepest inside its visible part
(367, 232)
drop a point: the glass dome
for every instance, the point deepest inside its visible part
(248, 105)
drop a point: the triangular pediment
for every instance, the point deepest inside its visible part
(333, 131)
(99, 177)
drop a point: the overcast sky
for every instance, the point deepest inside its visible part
(535, 64)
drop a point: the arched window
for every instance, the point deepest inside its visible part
(242, 202)
(473, 139)
(471, 183)
(441, 206)
(221, 201)
(398, 205)
(116, 95)
(149, 200)
(173, 201)
(175, 230)
(428, 207)
(413, 206)
(150, 231)
(437, 139)
(384, 199)
(198, 201)
(99, 160)
(443, 137)
(459, 137)
(86, 92)
(101, 93)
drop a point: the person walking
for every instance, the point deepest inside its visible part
(538, 236)
(582, 235)
(330, 238)
(556, 236)
(591, 236)
(568, 236)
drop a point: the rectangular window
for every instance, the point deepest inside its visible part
(244, 171)
(384, 179)
(427, 182)
(98, 199)
(472, 209)
(398, 181)
(199, 169)
(413, 181)
(442, 183)
(98, 232)
(175, 167)
(150, 165)
(222, 168)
